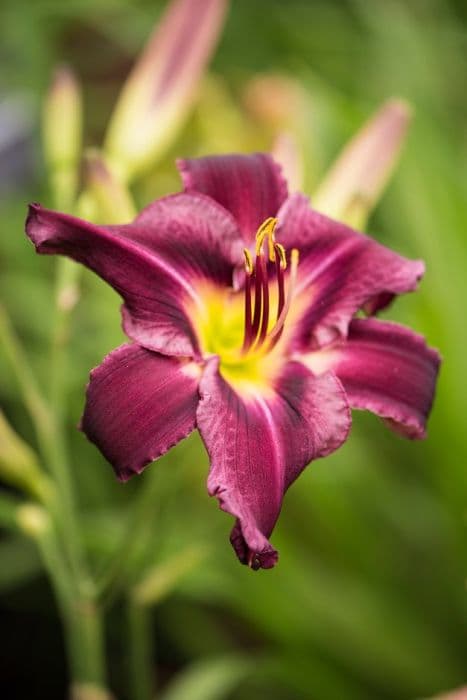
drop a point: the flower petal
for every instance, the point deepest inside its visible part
(139, 404)
(259, 442)
(251, 187)
(187, 240)
(340, 271)
(387, 369)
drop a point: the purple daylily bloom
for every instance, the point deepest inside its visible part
(240, 301)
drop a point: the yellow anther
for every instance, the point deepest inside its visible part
(281, 252)
(266, 229)
(267, 226)
(248, 261)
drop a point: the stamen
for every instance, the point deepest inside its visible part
(248, 330)
(248, 261)
(274, 336)
(281, 264)
(266, 229)
(265, 306)
(258, 295)
(280, 251)
(256, 334)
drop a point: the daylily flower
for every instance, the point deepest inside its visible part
(240, 301)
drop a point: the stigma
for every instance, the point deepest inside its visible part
(259, 333)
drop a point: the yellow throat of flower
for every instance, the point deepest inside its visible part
(244, 328)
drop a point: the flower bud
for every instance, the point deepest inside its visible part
(18, 463)
(162, 578)
(356, 180)
(159, 91)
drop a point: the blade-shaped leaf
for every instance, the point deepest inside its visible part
(211, 679)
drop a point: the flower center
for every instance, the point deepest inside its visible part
(243, 329)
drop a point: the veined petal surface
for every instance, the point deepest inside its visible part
(340, 271)
(157, 264)
(251, 187)
(259, 442)
(138, 405)
(387, 369)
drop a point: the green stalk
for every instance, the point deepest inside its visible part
(140, 651)
(85, 637)
(66, 296)
(49, 438)
(38, 410)
(81, 617)
(66, 567)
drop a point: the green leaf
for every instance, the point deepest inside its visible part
(164, 577)
(211, 679)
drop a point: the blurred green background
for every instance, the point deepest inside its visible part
(369, 599)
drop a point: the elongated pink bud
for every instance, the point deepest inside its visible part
(358, 177)
(159, 91)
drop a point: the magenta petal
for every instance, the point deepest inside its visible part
(387, 369)
(251, 187)
(340, 271)
(198, 236)
(139, 404)
(259, 444)
(154, 264)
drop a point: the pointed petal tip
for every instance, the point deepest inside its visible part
(33, 209)
(63, 77)
(32, 224)
(267, 558)
(251, 546)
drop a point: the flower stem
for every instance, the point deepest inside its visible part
(49, 437)
(60, 544)
(86, 644)
(66, 296)
(14, 353)
(141, 651)
(80, 615)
